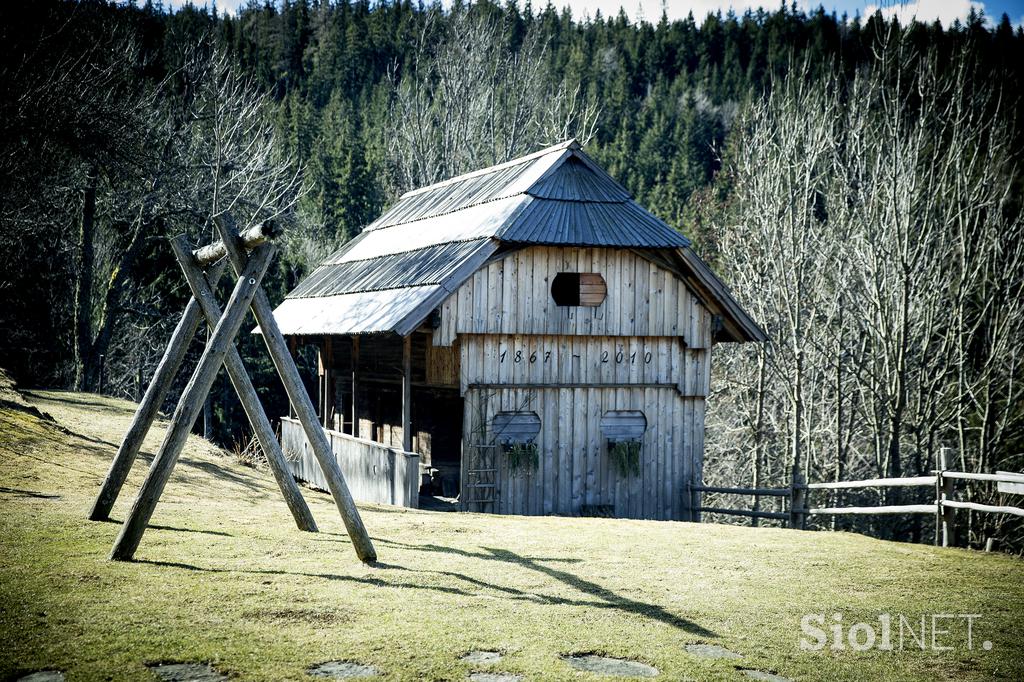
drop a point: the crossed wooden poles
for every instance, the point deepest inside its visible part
(220, 350)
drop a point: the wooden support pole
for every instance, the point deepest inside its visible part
(202, 292)
(191, 404)
(304, 409)
(293, 351)
(326, 368)
(407, 393)
(156, 392)
(355, 384)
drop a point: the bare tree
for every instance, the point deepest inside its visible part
(781, 251)
(203, 144)
(870, 229)
(472, 101)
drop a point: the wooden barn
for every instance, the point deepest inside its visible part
(526, 338)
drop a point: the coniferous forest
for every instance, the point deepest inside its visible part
(856, 182)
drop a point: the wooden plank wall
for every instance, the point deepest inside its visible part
(513, 295)
(373, 472)
(442, 365)
(518, 359)
(574, 469)
(646, 347)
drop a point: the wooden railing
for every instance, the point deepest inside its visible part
(943, 507)
(373, 471)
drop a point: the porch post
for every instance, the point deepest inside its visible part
(293, 347)
(355, 383)
(328, 368)
(407, 393)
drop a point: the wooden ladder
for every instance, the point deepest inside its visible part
(481, 486)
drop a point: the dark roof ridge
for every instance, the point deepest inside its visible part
(561, 146)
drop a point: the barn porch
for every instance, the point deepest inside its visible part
(392, 411)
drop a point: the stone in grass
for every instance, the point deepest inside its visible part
(711, 651)
(763, 676)
(43, 676)
(188, 672)
(343, 670)
(482, 657)
(604, 665)
(494, 677)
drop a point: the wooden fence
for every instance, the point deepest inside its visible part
(944, 507)
(374, 472)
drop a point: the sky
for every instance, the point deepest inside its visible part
(925, 10)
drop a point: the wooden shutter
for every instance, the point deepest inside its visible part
(515, 427)
(620, 426)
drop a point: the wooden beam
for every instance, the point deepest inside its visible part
(769, 492)
(191, 403)
(1000, 477)
(976, 506)
(327, 361)
(556, 384)
(782, 516)
(156, 392)
(304, 410)
(407, 393)
(293, 343)
(905, 482)
(261, 426)
(251, 237)
(354, 360)
(892, 509)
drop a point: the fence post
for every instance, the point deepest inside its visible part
(947, 487)
(938, 500)
(797, 501)
(688, 501)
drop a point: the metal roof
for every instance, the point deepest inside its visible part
(431, 265)
(406, 262)
(356, 313)
(589, 223)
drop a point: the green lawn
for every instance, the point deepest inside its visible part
(224, 577)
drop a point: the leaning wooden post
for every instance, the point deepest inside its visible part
(191, 404)
(168, 368)
(202, 292)
(304, 409)
(948, 513)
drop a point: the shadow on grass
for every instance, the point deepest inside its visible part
(609, 598)
(69, 399)
(18, 492)
(600, 597)
(175, 529)
(250, 483)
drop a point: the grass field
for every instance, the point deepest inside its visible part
(224, 577)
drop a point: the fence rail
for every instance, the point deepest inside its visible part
(942, 480)
(907, 482)
(764, 492)
(997, 478)
(890, 509)
(747, 512)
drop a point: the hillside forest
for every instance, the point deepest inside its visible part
(855, 181)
